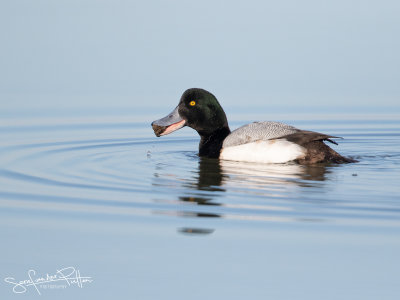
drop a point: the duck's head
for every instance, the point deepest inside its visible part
(198, 109)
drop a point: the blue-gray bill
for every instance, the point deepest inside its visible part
(168, 124)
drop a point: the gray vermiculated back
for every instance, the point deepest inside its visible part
(258, 131)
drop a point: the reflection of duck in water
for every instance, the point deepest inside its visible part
(210, 180)
(208, 177)
(269, 176)
(215, 176)
(267, 142)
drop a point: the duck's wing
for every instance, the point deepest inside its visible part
(273, 130)
(258, 131)
(302, 137)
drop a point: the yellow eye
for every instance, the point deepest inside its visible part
(192, 103)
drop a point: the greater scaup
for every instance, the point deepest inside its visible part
(266, 142)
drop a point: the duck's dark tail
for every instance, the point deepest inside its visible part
(317, 150)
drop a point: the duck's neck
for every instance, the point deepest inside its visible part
(211, 143)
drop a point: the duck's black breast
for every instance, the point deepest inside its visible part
(211, 144)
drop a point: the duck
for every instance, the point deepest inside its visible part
(257, 142)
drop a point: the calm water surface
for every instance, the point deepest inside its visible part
(146, 218)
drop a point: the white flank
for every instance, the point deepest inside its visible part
(271, 151)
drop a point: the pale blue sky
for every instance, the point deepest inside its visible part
(287, 52)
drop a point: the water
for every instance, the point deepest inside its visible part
(146, 218)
